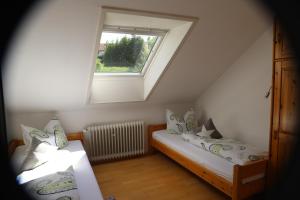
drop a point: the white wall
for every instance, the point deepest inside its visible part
(51, 58)
(76, 120)
(236, 101)
(107, 89)
(166, 51)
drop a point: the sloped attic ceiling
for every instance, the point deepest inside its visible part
(50, 61)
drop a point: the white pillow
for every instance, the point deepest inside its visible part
(52, 134)
(178, 125)
(204, 134)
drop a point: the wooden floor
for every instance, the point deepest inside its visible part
(153, 177)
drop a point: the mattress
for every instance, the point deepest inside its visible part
(208, 160)
(75, 155)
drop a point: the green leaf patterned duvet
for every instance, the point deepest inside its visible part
(58, 186)
(229, 149)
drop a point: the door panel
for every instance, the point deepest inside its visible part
(284, 115)
(282, 49)
(288, 99)
(285, 148)
(275, 121)
(284, 104)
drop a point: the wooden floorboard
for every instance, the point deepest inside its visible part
(153, 177)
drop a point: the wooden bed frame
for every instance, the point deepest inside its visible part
(13, 144)
(248, 179)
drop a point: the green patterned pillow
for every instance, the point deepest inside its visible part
(190, 120)
(179, 125)
(52, 134)
(54, 128)
(29, 133)
(175, 124)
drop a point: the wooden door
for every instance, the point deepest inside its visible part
(282, 49)
(284, 115)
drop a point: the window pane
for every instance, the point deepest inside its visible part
(123, 53)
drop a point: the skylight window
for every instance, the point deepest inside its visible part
(125, 50)
(133, 50)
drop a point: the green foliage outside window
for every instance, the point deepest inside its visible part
(125, 55)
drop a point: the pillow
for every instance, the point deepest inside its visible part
(53, 134)
(39, 153)
(197, 129)
(54, 128)
(190, 120)
(179, 125)
(209, 125)
(175, 124)
(29, 133)
(204, 133)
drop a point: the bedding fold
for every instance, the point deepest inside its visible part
(229, 149)
(60, 185)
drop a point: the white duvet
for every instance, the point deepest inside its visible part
(71, 156)
(218, 165)
(60, 161)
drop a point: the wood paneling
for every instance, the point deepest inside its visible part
(284, 104)
(285, 147)
(281, 43)
(288, 97)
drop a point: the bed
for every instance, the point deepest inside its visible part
(236, 181)
(87, 185)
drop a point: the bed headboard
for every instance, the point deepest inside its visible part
(14, 143)
(151, 129)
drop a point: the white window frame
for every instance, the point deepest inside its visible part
(139, 31)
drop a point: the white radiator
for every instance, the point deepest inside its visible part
(114, 141)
